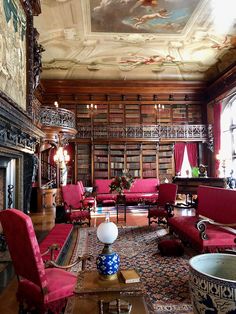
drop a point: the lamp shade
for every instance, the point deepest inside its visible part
(107, 232)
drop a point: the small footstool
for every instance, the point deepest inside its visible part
(171, 247)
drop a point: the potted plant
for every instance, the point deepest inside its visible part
(121, 183)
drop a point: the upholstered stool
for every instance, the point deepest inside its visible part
(171, 247)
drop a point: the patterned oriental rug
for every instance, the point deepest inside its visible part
(165, 278)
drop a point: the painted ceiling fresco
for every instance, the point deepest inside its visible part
(141, 16)
(137, 39)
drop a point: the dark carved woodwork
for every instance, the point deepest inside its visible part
(158, 132)
(57, 117)
(58, 124)
(31, 164)
(36, 6)
(3, 243)
(37, 67)
(81, 91)
(10, 189)
(221, 87)
(201, 227)
(30, 54)
(18, 131)
(11, 136)
(36, 108)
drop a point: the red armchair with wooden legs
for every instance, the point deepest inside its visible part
(39, 289)
(76, 207)
(88, 198)
(163, 210)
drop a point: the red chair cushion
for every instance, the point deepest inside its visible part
(171, 247)
(78, 215)
(60, 285)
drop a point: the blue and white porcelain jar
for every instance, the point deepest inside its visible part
(108, 265)
(213, 283)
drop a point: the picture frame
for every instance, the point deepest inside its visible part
(16, 54)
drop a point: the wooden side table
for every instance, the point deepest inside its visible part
(89, 282)
(90, 290)
(90, 305)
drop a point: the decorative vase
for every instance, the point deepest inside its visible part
(213, 283)
(108, 265)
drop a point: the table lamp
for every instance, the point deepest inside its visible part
(108, 262)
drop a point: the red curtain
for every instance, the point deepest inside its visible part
(217, 133)
(192, 154)
(179, 156)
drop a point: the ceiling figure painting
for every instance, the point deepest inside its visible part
(141, 16)
(137, 39)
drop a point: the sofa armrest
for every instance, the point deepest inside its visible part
(201, 225)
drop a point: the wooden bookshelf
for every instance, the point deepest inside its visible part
(84, 163)
(82, 114)
(194, 114)
(117, 159)
(148, 114)
(165, 115)
(141, 113)
(116, 114)
(101, 161)
(100, 115)
(165, 162)
(132, 114)
(133, 159)
(149, 160)
(179, 114)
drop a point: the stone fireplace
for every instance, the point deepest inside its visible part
(11, 179)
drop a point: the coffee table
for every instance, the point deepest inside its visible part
(90, 290)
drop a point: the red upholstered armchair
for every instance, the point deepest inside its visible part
(76, 207)
(88, 198)
(39, 289)
(166, 198)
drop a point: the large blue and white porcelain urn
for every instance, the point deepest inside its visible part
(108, 262)
(213, 283)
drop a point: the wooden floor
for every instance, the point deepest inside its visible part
(44, 222)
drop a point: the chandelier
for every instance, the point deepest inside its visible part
(61, 156)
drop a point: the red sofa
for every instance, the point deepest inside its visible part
(214, 226)
(141, 189)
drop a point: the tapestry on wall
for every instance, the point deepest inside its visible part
(13, 51)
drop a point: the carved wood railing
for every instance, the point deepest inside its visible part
(199, 132)
(57, 117)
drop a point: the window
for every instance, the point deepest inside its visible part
(228, 140)
(186, 170)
